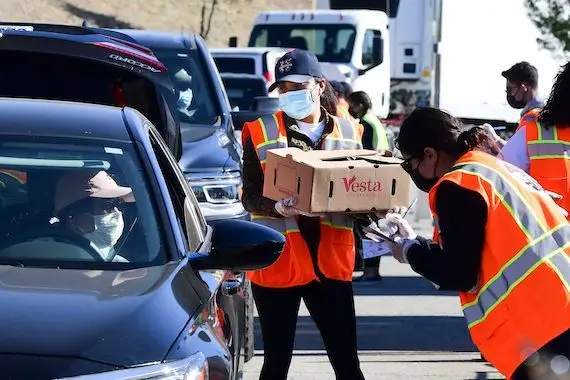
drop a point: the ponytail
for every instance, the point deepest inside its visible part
(475, 138)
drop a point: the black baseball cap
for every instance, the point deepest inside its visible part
(522, 72)
(298, 66)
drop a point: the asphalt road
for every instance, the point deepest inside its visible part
(406, 330)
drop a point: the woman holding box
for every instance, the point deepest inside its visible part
(317, 262)
(501, 241)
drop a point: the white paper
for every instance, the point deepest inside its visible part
(372, 248)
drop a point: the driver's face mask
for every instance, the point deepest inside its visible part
(184, 100)
(108, 230)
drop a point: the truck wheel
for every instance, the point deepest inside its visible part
(249, 337)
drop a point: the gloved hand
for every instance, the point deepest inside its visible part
(286, 208)
(403, 228)
(491, 132)
(396, 210)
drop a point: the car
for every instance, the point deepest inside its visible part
(248, 97)
(49, 61)
(256, 61)
(243, 88)
(211, 153)
(108, 268)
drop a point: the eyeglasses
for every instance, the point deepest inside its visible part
(407, 165)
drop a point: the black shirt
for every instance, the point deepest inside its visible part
(462, 221)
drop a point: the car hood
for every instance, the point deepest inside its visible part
(122, 318)
(208, 149)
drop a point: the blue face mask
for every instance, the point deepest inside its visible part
(297, 104)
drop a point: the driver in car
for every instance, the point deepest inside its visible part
(86, 203)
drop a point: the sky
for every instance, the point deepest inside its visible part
(480, 39)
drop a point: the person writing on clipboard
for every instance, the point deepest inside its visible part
(501, 241)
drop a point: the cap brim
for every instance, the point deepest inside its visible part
(300, 79)
(115, 192)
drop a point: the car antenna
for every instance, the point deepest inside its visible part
(85, 24)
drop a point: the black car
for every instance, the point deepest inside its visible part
(211, 157)
(242, 89)
(107, 266)
(61, 62)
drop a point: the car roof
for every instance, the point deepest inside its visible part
(242, 76)
(56, 118)
(114, 48)
(158, 39)
(249, 50)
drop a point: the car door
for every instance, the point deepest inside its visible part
(225, 290)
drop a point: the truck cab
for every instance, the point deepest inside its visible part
(356, 41)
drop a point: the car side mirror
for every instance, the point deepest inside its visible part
(268, 104)
(238, 245)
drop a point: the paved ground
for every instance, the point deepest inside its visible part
(406, 330)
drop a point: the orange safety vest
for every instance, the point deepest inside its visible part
(336, 255)
(522, 299)
(342, 113)
(549, 153)
(531, 116)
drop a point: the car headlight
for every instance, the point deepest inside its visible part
(194, 367)
(217, 190)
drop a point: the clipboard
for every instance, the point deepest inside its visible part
(379, 234)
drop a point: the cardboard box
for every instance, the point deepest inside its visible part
(349, 181)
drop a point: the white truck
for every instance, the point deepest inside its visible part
(355, 41)
(415, 36)
(342, 32)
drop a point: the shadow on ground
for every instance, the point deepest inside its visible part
(99, 19)
(391, 333)
(399, 286)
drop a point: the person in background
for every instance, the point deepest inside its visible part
(522, 90)
(318, 259)
(541, 145)
(341, 90)
(374, 134)
(501, 242)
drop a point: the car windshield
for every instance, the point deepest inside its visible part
(242, 91)
(329, 42)
(73, 204)
(196, 102)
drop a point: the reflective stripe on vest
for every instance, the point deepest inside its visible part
(272, 138)
(347, 137)
(545, 246)
(548, 145)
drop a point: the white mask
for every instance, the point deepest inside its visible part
(184, 100)
(108, 230)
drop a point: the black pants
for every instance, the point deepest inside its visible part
(331, 305)
(533, 368)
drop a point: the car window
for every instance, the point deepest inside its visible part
(239, 65)
(242, 91)
(191, 223)
(73, 203)
(368, 46)
(196, 101)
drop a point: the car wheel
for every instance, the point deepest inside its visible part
(248, 349)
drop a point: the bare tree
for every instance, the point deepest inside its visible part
(551, 18)
(206, 17)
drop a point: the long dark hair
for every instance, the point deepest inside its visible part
(434, 128)
(556, 110)
(328, 99)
